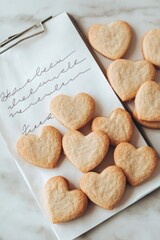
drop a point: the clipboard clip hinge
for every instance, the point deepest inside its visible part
(14, 37)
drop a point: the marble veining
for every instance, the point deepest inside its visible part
(20, 216)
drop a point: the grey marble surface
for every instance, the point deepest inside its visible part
(20, 217)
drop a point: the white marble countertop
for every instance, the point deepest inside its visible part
(20, 217)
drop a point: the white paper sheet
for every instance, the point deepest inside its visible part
(32, 73)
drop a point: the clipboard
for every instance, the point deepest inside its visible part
(17, 38)
(40, 59)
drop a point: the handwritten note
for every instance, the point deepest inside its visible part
(58, 74)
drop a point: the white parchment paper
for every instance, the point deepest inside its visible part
(31, 74)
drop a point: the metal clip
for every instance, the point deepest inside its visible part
(18, 35)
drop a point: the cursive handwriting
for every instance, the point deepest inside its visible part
(27, 129)
(33, 91)
(57, 87)
(7, 94)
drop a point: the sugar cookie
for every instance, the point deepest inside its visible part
(147, 102)
(85, 152)
(110, 40)
(73, 112)
(127, 76)
(151, 46)
(104, 189)
(118, 126)
(42, 151)
(137, 164)
(147, 124)
(63, 204)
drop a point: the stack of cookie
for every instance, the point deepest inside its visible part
(131, 79)
(86, 152)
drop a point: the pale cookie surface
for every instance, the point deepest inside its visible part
(137, 164)
(63, 204)
(147, 124)
(85, 152)
(127, 76)
(118, 126)
(104, 189)
(42, 151)
(151, 46)
(147, 102)
(110, 40)
(73, 112)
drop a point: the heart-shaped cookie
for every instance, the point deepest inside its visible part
(151, 46)
(137, 164)
(127, 76)
(63, 204)
(104, 189)
(73, 112)
(110, 40)
(42, 151)
(147, 124)
(147, 102)
(118, 126)
(85, 152)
